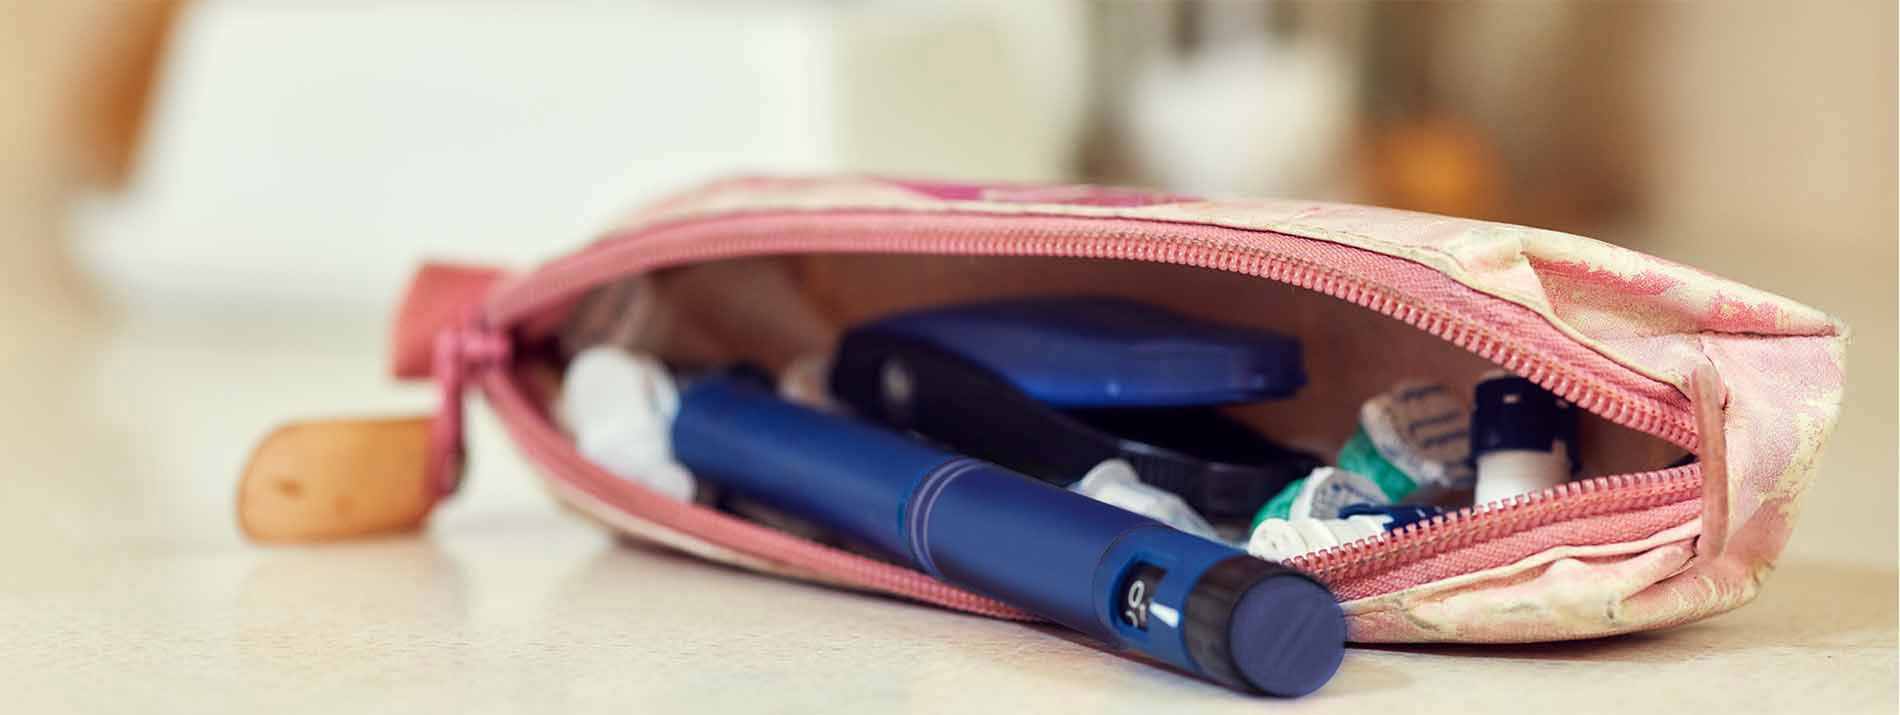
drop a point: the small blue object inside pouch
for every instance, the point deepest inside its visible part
(1399, 515)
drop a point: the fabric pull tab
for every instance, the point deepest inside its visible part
(337, 479)
(441, 296)
(1710, 399)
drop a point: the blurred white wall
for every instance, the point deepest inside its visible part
(305, 156)
(1775, 165)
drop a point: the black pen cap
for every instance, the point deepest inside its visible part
(1264, 626)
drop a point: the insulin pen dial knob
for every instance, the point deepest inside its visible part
(1264, 626)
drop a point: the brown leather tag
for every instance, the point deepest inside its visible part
(336, 479)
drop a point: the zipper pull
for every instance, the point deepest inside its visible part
(461, 353)
(328, 480)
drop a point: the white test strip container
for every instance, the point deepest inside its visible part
(1522, 438)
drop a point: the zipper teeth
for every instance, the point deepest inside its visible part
(649, 248)
(1468, 526)
(1581, 392)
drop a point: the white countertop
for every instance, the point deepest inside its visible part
(125, 586)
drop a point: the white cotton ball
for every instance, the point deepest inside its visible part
(619, 407)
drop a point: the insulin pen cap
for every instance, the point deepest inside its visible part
(1513, 413)
(1264, 626)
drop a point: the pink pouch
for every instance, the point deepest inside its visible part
(1668, 359)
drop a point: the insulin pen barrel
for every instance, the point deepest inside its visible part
(1102, 570)
(851, 477)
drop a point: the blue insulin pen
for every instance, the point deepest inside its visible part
(1123, 578)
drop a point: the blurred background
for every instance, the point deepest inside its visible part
(208, 208)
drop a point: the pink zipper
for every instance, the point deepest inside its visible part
(1584, 377)
(1469, 526)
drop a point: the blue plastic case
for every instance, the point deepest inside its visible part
(1052, 387)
